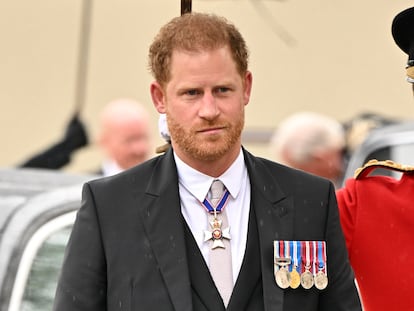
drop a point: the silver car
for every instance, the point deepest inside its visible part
(37, 211)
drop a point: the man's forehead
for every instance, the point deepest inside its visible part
(206, 60)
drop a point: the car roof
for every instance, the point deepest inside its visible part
(20, 185)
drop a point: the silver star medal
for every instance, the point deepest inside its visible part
(216, 234)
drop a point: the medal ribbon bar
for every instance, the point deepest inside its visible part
(300, 263)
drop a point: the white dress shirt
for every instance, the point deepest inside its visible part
(194, 186)
(110, 168)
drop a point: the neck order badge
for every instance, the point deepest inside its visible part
(220, 262)
(217, 234)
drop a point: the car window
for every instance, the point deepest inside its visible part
(394, 142)
(38, 270)
(41, 283)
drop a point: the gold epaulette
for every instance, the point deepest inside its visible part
(387, 164)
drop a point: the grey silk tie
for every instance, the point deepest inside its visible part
(220, 263)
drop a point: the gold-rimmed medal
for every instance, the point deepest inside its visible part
(306, 279)
(283, 277)
(282, 274)
(294, 274)
(321, 277)
(321, 280)
(281, 263)
(294, 278)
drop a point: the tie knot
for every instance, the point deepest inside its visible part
(216, 189)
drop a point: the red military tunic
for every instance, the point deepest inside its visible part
(377, 217)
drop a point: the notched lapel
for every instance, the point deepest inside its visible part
(163, 222)
(274, 221)
(274, 209)
(274, 213)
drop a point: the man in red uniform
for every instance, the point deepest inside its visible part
(377, 215)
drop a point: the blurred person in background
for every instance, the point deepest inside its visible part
(377, 214)
(124, 135)
(311, 142)
(124, 139)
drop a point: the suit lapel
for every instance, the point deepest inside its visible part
(163, 222)
(274, 213)
(248, 281)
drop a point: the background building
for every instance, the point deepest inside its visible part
(335, 57)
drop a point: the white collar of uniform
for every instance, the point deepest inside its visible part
(198, 184)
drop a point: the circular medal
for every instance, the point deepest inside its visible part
(294, 279)
(306, 279)
(216, 234)
(321, 280)
(282, 278)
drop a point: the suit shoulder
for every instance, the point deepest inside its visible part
(282, 169)
(141, 171)
(290, 179)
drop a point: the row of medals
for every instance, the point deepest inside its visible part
(285, 278)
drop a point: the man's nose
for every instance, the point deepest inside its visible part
(209, 107)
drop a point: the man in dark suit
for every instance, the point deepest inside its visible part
(145, 239)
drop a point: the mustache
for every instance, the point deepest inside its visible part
(212, 124)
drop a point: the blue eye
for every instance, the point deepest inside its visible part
(222, 90)
(192, 92)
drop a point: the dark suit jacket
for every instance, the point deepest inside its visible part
(130, 247)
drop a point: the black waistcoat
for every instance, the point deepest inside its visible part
(248, 291)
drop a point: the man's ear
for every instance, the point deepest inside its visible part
(248, 80)
(158, 97)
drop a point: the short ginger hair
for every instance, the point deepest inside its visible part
(195, 32)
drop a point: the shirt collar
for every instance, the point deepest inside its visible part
(110, 167)
(198, 184)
